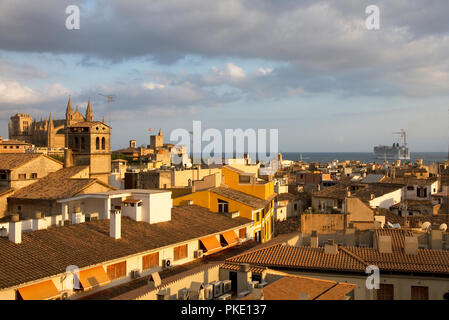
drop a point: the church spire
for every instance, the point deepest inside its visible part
(69, 111)
(89, 112)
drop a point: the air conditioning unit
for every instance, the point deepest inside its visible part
(183, 294)
(218, 288)
(166, 263)
(227, 286)
(208, 292)
(163, 294)
(253, 285)
(226, 296)
(135, 274)
(198, 254)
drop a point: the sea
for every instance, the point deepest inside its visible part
(365, 157)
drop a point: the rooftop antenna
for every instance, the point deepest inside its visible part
(110, 99)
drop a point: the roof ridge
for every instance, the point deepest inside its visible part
(252, 251)
(353, 255)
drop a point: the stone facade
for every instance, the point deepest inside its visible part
(46, 133)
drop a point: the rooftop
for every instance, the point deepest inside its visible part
(48, 252)
(242, 197)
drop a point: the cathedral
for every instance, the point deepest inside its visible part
(47, 133)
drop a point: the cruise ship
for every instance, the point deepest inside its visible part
(394, 152)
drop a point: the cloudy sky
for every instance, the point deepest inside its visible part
(308, 68)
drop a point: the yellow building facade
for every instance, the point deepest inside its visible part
(242, 192)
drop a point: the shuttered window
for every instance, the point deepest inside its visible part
(150, 260)
(180, 252)
(117, 270)
(385, 292)
(242, 233)
(420, 293)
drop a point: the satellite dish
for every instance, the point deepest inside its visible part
(443, 227)
(426, 225)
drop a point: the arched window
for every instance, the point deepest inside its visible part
(76, 146)
(83, 143)
(97, 143)
(103, 143)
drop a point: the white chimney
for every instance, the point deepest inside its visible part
(39, 223)
(15, 229)
(115, 230)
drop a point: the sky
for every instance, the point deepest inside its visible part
(310, 69)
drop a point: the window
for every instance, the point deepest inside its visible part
(242, 233)
(385, 292)
(180, 252)
(3, 176)
(76, 146)
(244, 179)
(97, 143)
(421, 192)
(139, 204)
(296, 206)
(117, 270)
(22, 176)
(34, 175)
(150, 260)
(83, 143)
(420, 293)
(410, 188)
(103, 143)
(257, 216)
(223, 206)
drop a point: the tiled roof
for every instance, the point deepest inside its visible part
(48, 252)
(236, 267)
(409, 181)
(347, 259)
(57, 185)
(239, 196)
(283, 256)
(286, 196)
(8, 142)
(9, 161)
(397, 236)
(364, 193)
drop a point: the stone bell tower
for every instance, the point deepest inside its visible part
(90, 142)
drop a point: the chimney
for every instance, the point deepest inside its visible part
(244, 277)
(38, 222)
(384, 244)
(330, 247)
(411, 245)
(132, 143)
(314, 239)
(68, 158)
(77, 216)
(15, 229)
(115, 230)
(436, 240)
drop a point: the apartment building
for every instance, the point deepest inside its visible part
(81, 253)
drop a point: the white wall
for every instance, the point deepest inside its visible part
(387, 200)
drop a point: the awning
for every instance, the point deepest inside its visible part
(40, 291)
(211, 244)
(231, 238)
(93, 277)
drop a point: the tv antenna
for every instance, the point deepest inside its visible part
(110, 99)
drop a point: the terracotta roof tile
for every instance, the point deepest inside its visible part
(48, 252)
